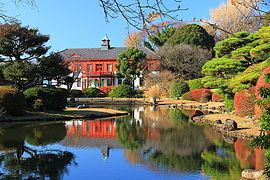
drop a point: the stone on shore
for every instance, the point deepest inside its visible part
(230, 125)
(252, 174)
(218, 121)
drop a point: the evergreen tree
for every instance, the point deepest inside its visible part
(193, 35)
(129, 65)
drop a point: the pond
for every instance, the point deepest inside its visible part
(152, 143)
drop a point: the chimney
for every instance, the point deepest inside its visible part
(105, 43)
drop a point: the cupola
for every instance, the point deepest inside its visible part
(105, 43)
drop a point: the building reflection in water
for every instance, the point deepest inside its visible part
(161, 128)
(92, 134)
(93, 128)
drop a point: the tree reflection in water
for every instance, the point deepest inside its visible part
(161, 139)
(220, 162)
(165, 138)
(129, 134)
(178, 145)
(20, 161)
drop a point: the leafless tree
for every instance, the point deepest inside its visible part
(3, 15)
(164, 77)
(140, 13)
(184, 60)
(137, 13)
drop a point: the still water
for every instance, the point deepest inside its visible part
(152, 143)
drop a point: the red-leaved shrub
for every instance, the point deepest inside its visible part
(243, 102)
(216, 97)
(261, 83)
(106, 89)
(201, 95)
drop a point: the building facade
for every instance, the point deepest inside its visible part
(96, 66)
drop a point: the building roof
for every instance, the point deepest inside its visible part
(98, 53)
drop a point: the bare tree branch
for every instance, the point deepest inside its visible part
(136, 12)
(28, 2)
(3, 15)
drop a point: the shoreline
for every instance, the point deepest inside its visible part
(239, 133)
(247, 128)
(65, 115)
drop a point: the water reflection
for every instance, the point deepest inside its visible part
(156, 138)
(22, 161)
(164, 139)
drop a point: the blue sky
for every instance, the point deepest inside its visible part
(81, 24)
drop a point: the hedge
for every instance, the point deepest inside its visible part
(228, 100)
(201, 95)
(261, 83)
(195, 84)
(47, 98)
(187, 96)
(122, 91)
(178, 88)
(93, 92)
(12, 101)
(243, 102)
(75, 93)
(106, 89)
(216, 97)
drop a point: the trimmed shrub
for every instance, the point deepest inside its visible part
(178, 88)
(12, 101)
(93, 92)
(226, 46)
(261, 52)
(223, 67)
(189, 112)
(106, 89)
(243, 102)
(138, 93)
(206, 82)
(213, 82)
(201, 95)
(216, 97)
(195, 84)
(187, 96)
(75, 93)
(49, 98)
(122, 91)
(247, 78)
(261, 83)
(228, 102)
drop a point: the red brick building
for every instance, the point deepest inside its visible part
(97, 65)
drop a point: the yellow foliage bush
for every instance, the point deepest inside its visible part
(158, 91)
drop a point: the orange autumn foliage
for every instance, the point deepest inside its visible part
(134, 39)
(261, 83)
(243, 102)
